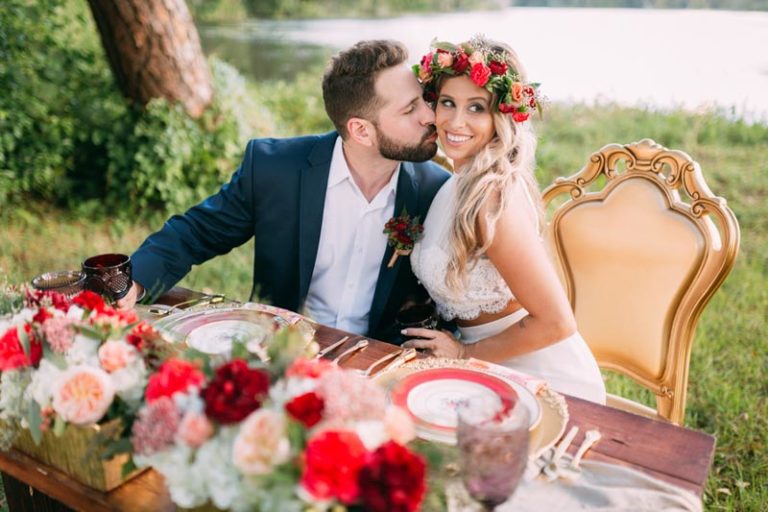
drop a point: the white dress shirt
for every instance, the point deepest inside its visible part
(352, 245)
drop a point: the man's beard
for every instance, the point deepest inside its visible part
(420, 152)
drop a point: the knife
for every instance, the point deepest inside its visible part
(332, 347)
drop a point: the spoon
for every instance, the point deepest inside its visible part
(360, 345)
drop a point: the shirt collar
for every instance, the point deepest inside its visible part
(340, 171)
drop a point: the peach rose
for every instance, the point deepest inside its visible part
(116, 355)
(261, 443)
(445, 60)
(399, 425)
(517, 91)
(195, 429)
(82, 395)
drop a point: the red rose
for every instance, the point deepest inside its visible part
(35, 298)
(89, 300)
(392, 480)
(532, 103)
(529, 91)
(140, 334)
(506, 108)
(333, 460)
(235, 392)
(306, 408)
(172, 377)
(460, 62)
(426, 62)
(12, 354)
(480, 74)
(400, 226)
(430, 96)
(519, 117)
(497, 68)
(41, 316)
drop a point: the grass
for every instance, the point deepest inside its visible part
(728, 390)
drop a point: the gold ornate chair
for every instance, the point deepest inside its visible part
(641, 250)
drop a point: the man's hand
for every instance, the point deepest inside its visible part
(135, 294)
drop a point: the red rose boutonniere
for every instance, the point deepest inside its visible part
(402, 232)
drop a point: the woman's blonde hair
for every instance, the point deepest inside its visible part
(482, 185)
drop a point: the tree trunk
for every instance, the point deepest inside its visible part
(154, 51)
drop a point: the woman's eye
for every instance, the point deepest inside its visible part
(477, 108)
(446, 103)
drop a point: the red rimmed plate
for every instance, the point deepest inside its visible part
(430, 397)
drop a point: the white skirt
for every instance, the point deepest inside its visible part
(568, 365)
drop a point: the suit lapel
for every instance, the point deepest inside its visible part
(406, 196)
(313, 187)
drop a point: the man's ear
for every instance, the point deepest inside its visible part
(361, 131)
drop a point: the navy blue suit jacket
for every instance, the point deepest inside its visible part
(277, 196)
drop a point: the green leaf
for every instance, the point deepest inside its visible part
(128, 467)
(444, 45)
(24, 340)
(59, 425)
(34, 419)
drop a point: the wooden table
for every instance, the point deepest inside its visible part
(674, 454)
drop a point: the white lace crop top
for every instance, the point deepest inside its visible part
(485, 291)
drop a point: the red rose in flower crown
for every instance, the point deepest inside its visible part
(393, 479)
(487, 68)
(332, 462)
(235, 391)
(173, 376)
(402, 233)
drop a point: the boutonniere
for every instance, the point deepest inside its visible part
(402, 232)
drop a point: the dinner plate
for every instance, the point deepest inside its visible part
(213, 329)
(429, 397)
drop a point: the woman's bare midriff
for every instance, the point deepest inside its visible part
(485, 318)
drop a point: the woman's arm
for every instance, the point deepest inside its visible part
(521, 259)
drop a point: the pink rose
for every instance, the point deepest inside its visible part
(82, 395)
(195, 429)
(115, 355)
(477, 57)
(480, 74)
(261, 443)
(517, 91)
(399, 426)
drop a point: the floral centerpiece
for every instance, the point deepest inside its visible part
(290, 434)
(66, 363)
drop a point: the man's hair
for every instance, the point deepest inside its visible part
(348, 83)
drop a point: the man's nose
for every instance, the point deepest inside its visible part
(427, 114)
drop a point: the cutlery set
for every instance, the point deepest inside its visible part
(552, 464)
(384, 364)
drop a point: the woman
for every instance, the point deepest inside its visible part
(482, 258)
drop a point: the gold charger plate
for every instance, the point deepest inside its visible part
(554, 410)
(212, 328)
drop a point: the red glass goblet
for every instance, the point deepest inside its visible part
(109, 275)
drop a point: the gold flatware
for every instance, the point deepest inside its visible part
(368, 371)
(331, 347)
(165, 310)
(360, 345)
(402, 358)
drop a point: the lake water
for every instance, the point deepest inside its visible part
(663, 58)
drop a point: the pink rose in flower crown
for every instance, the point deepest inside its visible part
(82, 395)
(173, 376)
(477, 57)
(194, 429)
(332, 463)
(261, 443)
(445, 59)
(310, 368)
(12, 355)
(392, 480)
(116, 355)
(234, 392)
(480, 74)
(307, 409)
(517, 92)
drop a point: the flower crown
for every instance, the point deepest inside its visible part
(485, 68)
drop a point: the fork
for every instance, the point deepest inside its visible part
(360, 345)
(331, 347)
(368, 371)
(551, 470)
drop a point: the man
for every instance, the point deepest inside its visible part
(317, 205)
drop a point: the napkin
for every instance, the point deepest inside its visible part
(600, 486)
(533, 384)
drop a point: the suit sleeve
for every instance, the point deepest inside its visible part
(220, 223)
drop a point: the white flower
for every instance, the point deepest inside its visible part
(214, 461)
(84, 350)
(287, 389)
(12, 403)
(75, 313)
(41, 388)
(261, 443)
(372, 433)
(129, 381)
(186, 484)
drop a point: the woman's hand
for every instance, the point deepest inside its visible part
(435, 343)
